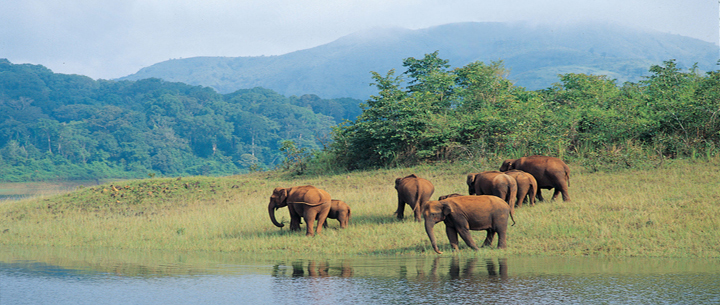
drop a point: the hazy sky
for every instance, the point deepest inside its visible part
(113, 38)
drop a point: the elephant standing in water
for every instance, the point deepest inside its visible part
(464, 213)
(550, 172)
(305, 201)
(414, 191)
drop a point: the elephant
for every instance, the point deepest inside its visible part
(526, 186)
(305, 201)
(414, 191)
(341, 211)
(493, 183)
(550, 172)
(464, 213)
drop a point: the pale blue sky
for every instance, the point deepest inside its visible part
(113, 38)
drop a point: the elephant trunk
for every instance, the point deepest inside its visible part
(429, 224)
(271, 210)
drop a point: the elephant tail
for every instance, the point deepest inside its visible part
(418, 199)
(512, 213)
(310, 204)
(567, 174)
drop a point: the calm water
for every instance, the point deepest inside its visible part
(52, 276)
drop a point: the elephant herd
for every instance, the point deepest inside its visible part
(490, 203)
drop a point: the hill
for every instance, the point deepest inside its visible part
(58, 126)
(534, 54)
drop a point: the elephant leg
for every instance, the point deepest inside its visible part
(343, 219)
(539, 195)
(521, 194)
(418, 212)
(295, 224)
(401, 208)
(502, 239)
(452, 236)
(465, 234)
(564, 191)
(310, 222)
(556, 194)
(295, 215)
(322, 218)
(520, 199)
(489, 238)
(531, 196)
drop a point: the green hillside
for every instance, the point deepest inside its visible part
(57, 126)
(534, 55)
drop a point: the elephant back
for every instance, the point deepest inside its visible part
(546, 170)
(309, 195)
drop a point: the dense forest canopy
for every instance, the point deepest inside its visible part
(433, 113)
(57, 126)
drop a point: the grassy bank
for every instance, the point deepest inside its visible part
(671, 211)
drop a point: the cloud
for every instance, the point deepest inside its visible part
(109, 39)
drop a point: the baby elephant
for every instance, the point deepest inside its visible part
(341, 211)
(464, 213)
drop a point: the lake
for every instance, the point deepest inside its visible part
(92, 276)
(25, 190)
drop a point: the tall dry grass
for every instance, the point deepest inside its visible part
(671, 211)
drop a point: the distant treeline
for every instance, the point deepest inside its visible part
(58, 126)
(431, 113)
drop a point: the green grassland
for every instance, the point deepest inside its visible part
(669, 211)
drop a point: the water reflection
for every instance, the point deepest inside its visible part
(314, 268)
(457, 268)
(54, 276)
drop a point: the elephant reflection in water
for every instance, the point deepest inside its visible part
(316, 269)
(468, 271)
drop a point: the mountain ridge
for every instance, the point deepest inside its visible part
(534, 54)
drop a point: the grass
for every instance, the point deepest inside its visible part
(671, 211)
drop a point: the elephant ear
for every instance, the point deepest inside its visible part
(471, 179)
(282, 194)
(447, 209)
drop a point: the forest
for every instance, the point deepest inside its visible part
(56, 126)
(431, 113)
(61, 127)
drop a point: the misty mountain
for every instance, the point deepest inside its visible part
(534, 54)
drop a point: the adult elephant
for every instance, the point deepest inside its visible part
(464, 213)
(550, 172)
(341, 211)
(304, 201)
(526, 186)
(414, 191)
(493, 183)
